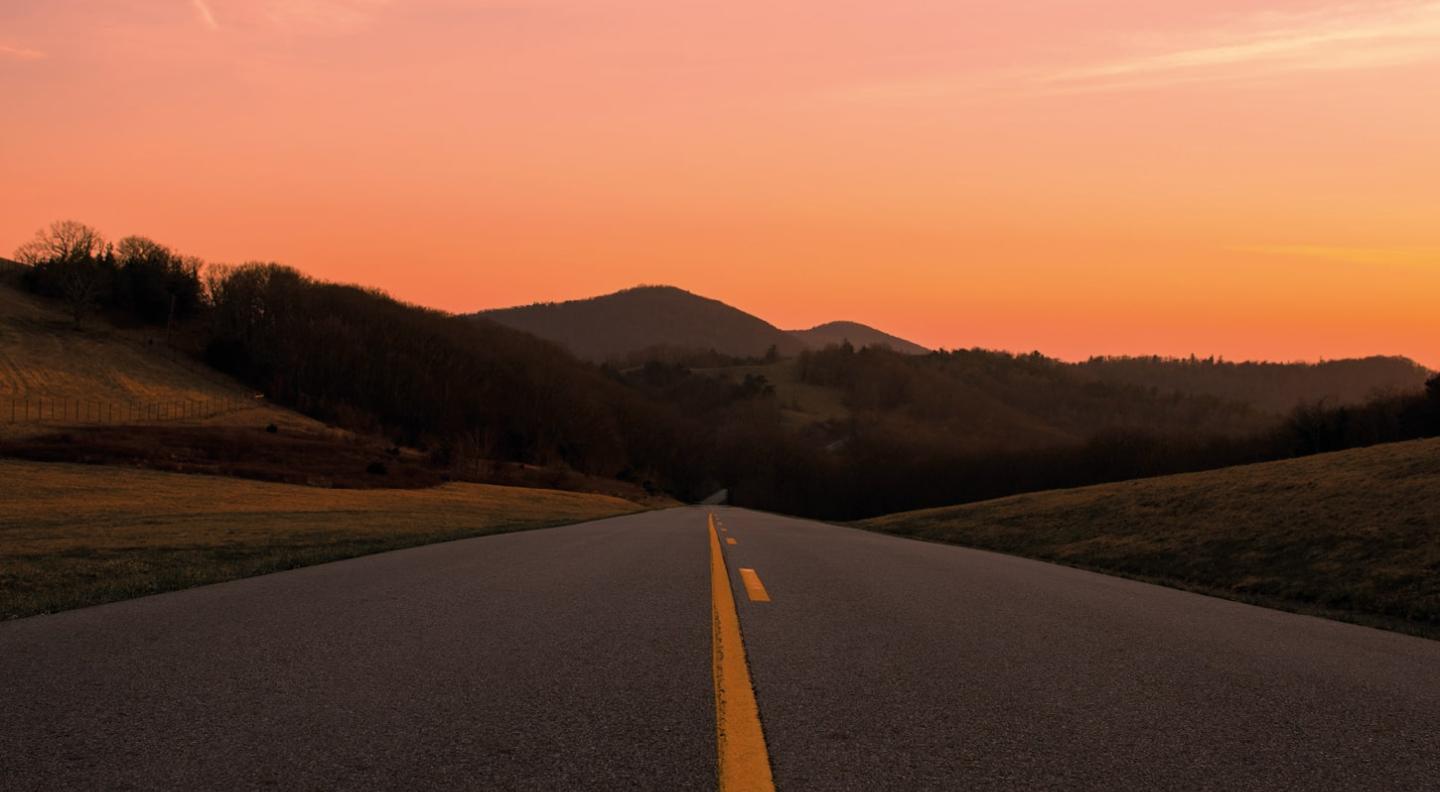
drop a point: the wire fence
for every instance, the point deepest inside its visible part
(65, 410)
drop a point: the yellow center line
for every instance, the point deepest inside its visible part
(729, 541)
(742, 761)
(753, 586)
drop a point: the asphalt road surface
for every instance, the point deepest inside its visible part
(581, 658)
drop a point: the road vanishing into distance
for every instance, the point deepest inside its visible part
(606, 656)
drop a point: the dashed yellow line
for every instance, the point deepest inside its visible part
(753, 586)
(743, 763)
(729, 541)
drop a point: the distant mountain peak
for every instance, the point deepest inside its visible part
(651, 316)
(644, 317)
(859, 335)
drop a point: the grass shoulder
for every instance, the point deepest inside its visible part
(1353, 535)
(78, 535)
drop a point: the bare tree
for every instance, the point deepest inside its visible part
(64, 240)
(71, 251)
(138, 248)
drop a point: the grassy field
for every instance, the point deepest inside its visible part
(1352, 535)
(76, 535)
(104, 368)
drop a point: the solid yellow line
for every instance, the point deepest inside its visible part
(753, 586)
(742, 762)
(729, 541)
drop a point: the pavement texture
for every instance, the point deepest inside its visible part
(579, 658)
(569, 658)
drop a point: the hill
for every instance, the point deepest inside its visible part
(59, 376)
(663, 322)
(996, 400)
(858, 335)
(647, 317)
(1269, 387)
(1350, 533)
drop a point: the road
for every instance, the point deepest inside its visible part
(586, 657)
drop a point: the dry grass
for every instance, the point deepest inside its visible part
(1354, 534)
(75, 535)
(43, 357)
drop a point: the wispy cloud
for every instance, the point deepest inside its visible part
(303, 17)
(19, 53)
(324, 16)
(1336, 38)
(1352, 255)
(207, 17)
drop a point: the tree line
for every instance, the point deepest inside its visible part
(136, 277)
(1272, 387)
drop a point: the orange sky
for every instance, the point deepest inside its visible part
(1252, 179)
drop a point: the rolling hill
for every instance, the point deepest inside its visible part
(1350, 533)
(613, 326)
(104, 374)
(858, 335)
(1271, 387)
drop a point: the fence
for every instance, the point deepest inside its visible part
(65, 410)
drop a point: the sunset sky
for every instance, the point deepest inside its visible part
(1251, 179)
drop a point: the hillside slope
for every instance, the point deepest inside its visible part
(613, 325)
(1271, 387)
(1350, 533)
(102, 374)
(858, 335)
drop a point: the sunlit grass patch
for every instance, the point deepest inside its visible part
(75, 535)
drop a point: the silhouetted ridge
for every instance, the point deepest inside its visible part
(1270, 387)
(611, 326)
(858, 335)
(616, 326)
